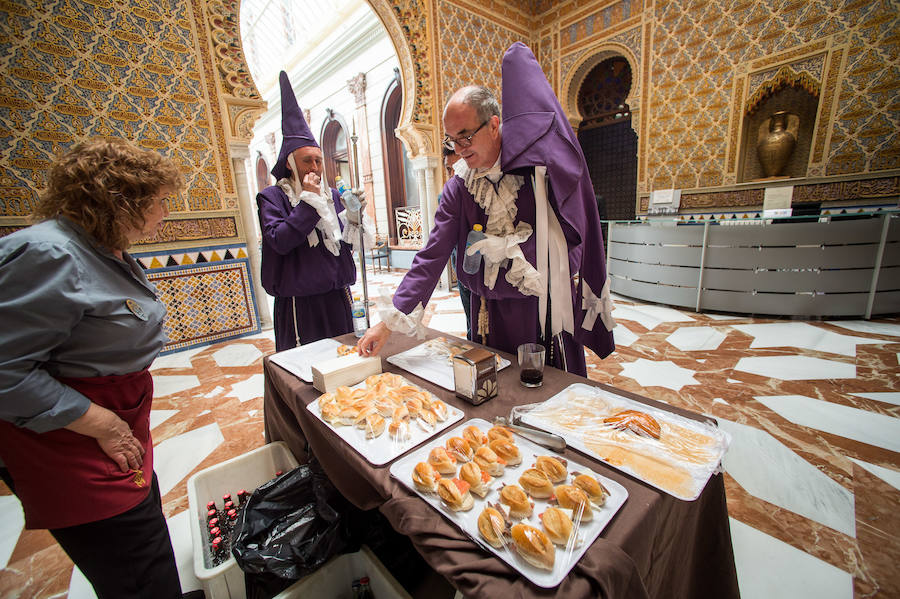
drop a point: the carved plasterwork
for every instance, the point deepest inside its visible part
(357, 86)
(239, 93)
(407, 24)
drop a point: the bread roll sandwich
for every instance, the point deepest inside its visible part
(520, 506)
(592, 487)
(426, 420)
(460, 449)
(348, 416)
(362, 415)
(536, 483)
(474, 436)
(400, 413)
(500, 432)
(399, 430)
(506, 451)
(640, 423)
(493, 525)
(488, 461)
(455, 494)
(385, 407)
(425, 477)
(441, 460)
(554, 468)
(331, 413)
(570, 497)
(534, 546)
(479, 481)
(374, 425)
(440, 410)
(557, 524)
(413, 405)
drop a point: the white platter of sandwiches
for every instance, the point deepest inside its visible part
(384, 416)
(433, 360)
(525, 504)
(671, 452)
(300, 360)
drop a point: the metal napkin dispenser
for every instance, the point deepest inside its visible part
(475, 375)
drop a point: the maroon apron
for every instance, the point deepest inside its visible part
(63, 478)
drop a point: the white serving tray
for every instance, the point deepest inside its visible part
(468, 521)
(436, 369)
(575, 414)
(300, 360)
(383, 449)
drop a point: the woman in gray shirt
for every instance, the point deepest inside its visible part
(80, 325)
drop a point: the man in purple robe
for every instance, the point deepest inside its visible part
(307, 260)
(527, 184)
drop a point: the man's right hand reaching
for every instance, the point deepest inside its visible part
(374, 339)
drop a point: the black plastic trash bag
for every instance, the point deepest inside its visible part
(288, 527)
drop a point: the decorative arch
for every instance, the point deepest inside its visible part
(785, 77)
(609, 149)
(574, 79)
(407, 28)
(334, 137)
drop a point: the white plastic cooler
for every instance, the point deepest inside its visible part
(247, 471)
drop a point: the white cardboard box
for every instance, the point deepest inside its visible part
(334, 579)
(247, 471)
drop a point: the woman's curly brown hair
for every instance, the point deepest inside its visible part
(106, 186)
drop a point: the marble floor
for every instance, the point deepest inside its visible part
(812, 474)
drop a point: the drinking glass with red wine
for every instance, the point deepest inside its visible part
(531, 364)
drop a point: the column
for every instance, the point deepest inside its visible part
(357, 87)
(240, 154)
(425, 168)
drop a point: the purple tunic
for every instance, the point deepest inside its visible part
(512, 316)
(291, 268)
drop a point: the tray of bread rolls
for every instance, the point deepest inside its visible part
(671, 452)
(384, 416)
(529, 506)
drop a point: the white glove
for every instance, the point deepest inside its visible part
(355, 216)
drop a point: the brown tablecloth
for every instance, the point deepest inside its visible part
(655, 546)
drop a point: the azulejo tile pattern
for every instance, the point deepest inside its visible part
(206, 304)
(207, 291)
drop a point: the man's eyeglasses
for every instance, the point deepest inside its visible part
(464, 141)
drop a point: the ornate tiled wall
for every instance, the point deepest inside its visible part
(207, 291)
(699, 67)
(712, 60)
(473, 37)
(166, 74)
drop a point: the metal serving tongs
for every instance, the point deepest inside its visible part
(543, 438)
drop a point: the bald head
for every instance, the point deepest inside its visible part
(478, 97)
(472, 124)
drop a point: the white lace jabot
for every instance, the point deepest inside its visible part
(496, 192)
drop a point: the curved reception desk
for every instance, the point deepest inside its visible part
(835, 268)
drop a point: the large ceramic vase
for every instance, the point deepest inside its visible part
(775, 148)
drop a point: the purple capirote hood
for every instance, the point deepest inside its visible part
(294, 130)
(536, 132)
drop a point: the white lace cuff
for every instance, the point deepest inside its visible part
(408, 324)
(597, 306)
